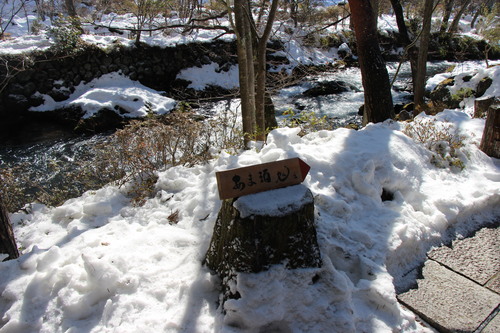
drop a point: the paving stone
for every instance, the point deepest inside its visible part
(477, 257)
(449, 301)
(494, 284)
(493, 326)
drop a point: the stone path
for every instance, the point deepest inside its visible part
(460, 289)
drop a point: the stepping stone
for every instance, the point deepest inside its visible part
(494, 284)
(449, 301)
(493, 326)
(477, 258)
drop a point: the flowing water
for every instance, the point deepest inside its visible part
(48, 159)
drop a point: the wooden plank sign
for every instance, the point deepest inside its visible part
(261, 177)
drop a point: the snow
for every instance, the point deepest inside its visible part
(98, 263)
(278, 202)
(210, 74)
(112, 91)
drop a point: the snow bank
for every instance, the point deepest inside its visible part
(112, 91)
(210, 75)
(99, 264)
(474, 71)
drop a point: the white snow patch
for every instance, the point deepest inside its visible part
(112, 91)
(210, 75)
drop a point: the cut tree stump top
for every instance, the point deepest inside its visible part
(278, 202)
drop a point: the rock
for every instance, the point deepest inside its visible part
(104, 120)
(482, 86)
(60, 94)
(328, 88)
(441, 95)
(17, 102)
(404, 115)
(16, 89)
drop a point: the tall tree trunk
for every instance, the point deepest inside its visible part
(412, 51)
(479, 10)
(419, 83)
(448, 7)
(377, 91)
(458, 16)
(261, 73)
(375, 6)
(246, 67)
(70, 8)
(7, 240)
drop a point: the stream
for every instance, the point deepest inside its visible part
(47, 158)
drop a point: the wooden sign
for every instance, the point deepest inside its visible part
(261, 177)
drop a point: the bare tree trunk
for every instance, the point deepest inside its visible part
(40, 9)
(375, 6)
(458, 16)
(448, 7)
(378, 98)
(261, 73)
(412, 51)
(7, 240)
(246, 67)
(419, 83)
(70, 8)
(480, 9)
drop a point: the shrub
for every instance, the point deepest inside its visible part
(442, 139)
(66, 32)
(307, 121)
(129, 158)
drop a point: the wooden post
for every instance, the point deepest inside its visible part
(490, 143)
(256, 231)
(7, 240)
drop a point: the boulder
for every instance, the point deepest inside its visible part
(483, 85)
(328, 88)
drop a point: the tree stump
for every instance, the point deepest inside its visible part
(7, 240)
(481, 106)
(256, 231)
(490, 143)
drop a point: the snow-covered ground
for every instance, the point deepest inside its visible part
(98, 263)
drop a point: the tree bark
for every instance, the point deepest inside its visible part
(412, 51)
(481, 106)
(7, 240)
(270, 112)
(458, 16)
(419, 83)
(261, 73)
(246, 67)
(448, 7)
(252, 242)
(490, 142)
(377, 91)
(70, 8)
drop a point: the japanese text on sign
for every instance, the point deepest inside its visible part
(261, 177)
